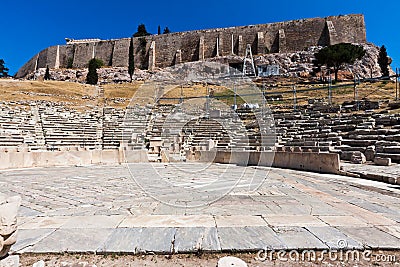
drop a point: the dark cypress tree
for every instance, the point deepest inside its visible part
(159, 30)
(131, 63)
(141, 31)
(92, 76)
(47, 74)
(383, 61)
(3, 69)
(166, 30)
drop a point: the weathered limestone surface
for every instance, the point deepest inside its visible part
(8, 222)
(82, 54)
(288, 36)
(293, 63)
(11, 261)
(119, 56)
(290, 210)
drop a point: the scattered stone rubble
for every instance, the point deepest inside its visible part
(106, 75)
(300, 63)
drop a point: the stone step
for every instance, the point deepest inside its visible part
(358, 143)
(391, 149)
(394, 157)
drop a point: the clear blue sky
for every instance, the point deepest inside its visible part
(30, 26)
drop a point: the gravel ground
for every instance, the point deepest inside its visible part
(376, 258)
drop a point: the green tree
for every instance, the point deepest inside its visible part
(131, 63)
(141, 31)
(47, 74)
(92, 76)
(335, 56)
(3, 69)
(166, 30)
(383, 61)
(159, 30)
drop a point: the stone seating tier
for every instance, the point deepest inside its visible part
(41, 125)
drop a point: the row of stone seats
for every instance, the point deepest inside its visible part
(17, 126)
(67, 127)
(125, 127)
(200, 131)
(260, 128)
(376, 135)
(112, 133)
(164, 131)
(222, 131)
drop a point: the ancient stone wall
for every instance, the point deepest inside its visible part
(121, 48)
(169, 49)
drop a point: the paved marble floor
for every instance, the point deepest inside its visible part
(188, 207)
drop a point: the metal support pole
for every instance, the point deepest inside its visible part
(207, 101)
(397, 87)
(294, 98)
(329, 75)
(264, 96)
(330, 90)
(264, 92)
(181, 100)
(356, 92)
(355, 89)
(234, 97)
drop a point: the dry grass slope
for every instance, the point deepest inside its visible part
(78, 95)
(72, 94)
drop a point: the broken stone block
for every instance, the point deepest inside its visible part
(383, 161)
(358, 158)
(8, 222)
(370, 153)
(346, 155)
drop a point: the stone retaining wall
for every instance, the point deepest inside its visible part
(316, 162)
(169, 49)
(15, 160)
